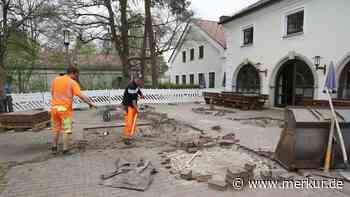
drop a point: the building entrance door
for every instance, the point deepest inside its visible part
(294, 83)
(344, 83)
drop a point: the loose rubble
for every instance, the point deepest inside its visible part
(206, 163)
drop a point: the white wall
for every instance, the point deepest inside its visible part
(212, 61)
(326, 33)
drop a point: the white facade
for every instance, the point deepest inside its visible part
(326, 33)
(212, 61)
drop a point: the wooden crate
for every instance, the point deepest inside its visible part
(34, 120)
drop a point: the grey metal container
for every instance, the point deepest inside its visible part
(304, 139)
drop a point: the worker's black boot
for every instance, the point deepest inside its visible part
(54, 150)
(127, 141)
(67, 152)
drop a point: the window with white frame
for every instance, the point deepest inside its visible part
(192, 79)
(191, 54)
(201, 52)
(211, 80)
(201, 80)
(248, 35)
(184, 79)
(295, 22)
(184, 56)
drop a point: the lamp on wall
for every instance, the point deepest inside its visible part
(66, 37)
(317, 62)
(258, 67)
(66, 45)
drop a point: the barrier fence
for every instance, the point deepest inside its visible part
(30, 101)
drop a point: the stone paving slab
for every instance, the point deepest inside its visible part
(79, 175)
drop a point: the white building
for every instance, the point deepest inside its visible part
(199, 55)
(272, 45)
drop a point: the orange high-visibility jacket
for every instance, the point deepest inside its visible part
(63, 89)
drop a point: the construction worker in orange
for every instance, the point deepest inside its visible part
(63, 89)
(130, 97)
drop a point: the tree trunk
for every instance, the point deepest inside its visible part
(149, 29)
(117, 44)
(3, 47)
(2, 80)
(143, 54)
(124, 36)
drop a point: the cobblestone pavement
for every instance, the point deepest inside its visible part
(251, 136)
(78, 175)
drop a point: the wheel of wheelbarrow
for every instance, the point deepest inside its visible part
(106, 116)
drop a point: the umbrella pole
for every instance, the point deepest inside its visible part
(341, 139)
(327, 163)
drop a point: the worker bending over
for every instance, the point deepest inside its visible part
(130, 97)
(63, 89)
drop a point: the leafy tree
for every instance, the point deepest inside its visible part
(20, 15)
(22, 55)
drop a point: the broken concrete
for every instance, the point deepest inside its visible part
(216, 128)
(186, 174)
(130, 175)
(217, 183)
(199, 177)
(234, 173)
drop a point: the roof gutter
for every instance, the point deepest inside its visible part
(255, 7)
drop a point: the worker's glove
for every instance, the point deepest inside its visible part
(91, 105)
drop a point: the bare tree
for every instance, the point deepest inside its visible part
(121, 22)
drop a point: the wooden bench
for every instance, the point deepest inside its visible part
(325, 103)
(236, 100)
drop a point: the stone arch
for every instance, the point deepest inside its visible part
(342, 64)
(280, 64)
(238, 69)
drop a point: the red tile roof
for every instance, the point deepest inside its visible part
(213, 29)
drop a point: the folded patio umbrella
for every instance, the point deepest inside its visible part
(330, 83)
(329, 88)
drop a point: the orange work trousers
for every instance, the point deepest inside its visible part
(130, 117)
(61, 119)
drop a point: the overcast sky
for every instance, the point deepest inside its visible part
(213, 9)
